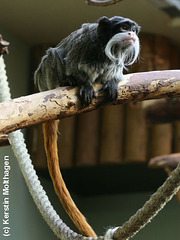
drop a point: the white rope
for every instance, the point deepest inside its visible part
(110, 233)
(4, 87)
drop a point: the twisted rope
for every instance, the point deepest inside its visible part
(151, 208)
(129, 229)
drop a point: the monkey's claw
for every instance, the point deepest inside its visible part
(111, 88)
(86, 93)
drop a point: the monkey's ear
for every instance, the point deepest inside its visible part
(104, 22)
(138, 29)
(103, 25)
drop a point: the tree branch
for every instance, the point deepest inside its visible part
(64, 102)
(102, 3)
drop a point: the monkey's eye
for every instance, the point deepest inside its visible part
(134, 29)
(123, 28)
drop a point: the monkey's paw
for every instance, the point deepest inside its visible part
(86, 93)
(111, 87)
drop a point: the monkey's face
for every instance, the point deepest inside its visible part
(120, 36)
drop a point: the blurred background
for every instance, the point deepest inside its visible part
(104, 154)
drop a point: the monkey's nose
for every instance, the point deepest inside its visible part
(131, 34)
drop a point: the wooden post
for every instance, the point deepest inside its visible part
(161, 139)
(36, 147)
(112, 128)
(87, 139)
(161, 134)
(136, 134)
(66, 142)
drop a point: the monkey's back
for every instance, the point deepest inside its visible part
(79, 44)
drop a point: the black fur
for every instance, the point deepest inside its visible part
(80, 59)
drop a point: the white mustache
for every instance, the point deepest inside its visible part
(123, 49)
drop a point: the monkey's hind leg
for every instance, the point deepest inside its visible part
(50, 141)
(50, 72)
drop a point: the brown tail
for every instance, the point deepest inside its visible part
(50, 141)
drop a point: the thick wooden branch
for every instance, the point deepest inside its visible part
(102, 3)
(169, 161)
(64, 102)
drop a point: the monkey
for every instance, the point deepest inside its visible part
(97, 52)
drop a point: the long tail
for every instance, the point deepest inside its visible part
(50, 141)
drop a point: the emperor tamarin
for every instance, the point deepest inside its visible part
(97, 52)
